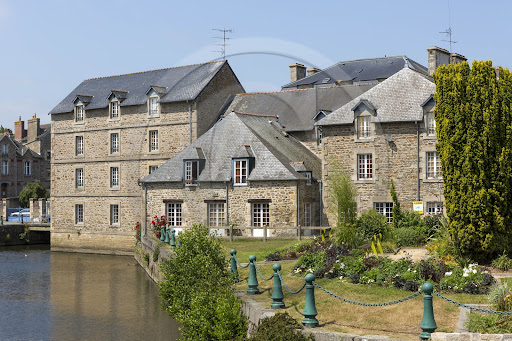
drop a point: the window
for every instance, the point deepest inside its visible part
(319, 135)
(152, 169)
(153, 105)
(28, 168)
(260, 214)
(114, 214)
(431, 124)
(385, 208)
(153, 140)
(5, 167)
(79, 113)
(364, 167)
(79, 214)
(191, 172)
(79, 178)
(5, 150)
(307, 214)
(174, 214)
(308, 176)
(114, 176)
(79, 145)
(48, 155)
(114, 109)
(363, 127)
(216, 214)
(114, 143)
(435, 207)
(241, 169)
(433, 166)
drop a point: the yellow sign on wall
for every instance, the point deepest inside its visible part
(417, 206)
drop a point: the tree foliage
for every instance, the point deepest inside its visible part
(397, 211)
(474, 132)
(343, 193)
(197, 290)
(32, 190)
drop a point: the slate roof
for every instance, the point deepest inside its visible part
(398, 99)
(242, 135)
(362, 70)
(179, 84)
(297, 108)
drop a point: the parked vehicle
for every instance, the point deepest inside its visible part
(24, 212)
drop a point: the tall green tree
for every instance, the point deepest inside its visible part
(474, 135)
(32, 190)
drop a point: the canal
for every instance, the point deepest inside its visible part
(66, 296)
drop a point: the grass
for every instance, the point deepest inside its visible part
(255, 246)
(507, 280)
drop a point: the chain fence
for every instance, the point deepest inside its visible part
(287, 289)
(259, 273)
(482, 310)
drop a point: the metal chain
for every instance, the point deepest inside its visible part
(472, 308)
(259, 273)
(368, 304)
(240, 265)
(287, 289)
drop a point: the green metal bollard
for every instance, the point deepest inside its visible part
(277, 292)
(179, 242)
(173, 238)
(162, 233)
(253, 280)
(167, 233)
(310, 312)
(21, 215)
(233, 265)
(1, 219)
(428, 324)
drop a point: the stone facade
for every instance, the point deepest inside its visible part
(92, 228)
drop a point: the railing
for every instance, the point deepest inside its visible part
(428, 324)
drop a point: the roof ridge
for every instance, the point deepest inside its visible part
(295, 90)
(147, 71)
(249, 114)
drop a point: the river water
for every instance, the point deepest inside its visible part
(66, 296)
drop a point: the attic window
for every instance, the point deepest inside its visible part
(191, 172)
(240, 172)
(79, 113)
(309, 176)
(326, 80)
(153, 106)
(114, 109)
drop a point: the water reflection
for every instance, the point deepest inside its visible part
(66, 296)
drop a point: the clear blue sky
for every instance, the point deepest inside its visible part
(49, 47)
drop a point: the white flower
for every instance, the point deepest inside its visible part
(341, 277)
(414, 271)
(474, 271)
(465, 274)
(449, 273)
(342, 265)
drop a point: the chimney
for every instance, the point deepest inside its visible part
(297, 71)
(19, 129)
(437, 57)
(312, 71)
(32, 128)
(497, 71)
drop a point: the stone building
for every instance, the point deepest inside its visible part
(246, 171)
(25, 157)
(110, 132)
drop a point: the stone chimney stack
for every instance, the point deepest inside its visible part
(19, 129)
(456, 58)
(32, 128)
(437, 57)
(297, 71)
(312, 71)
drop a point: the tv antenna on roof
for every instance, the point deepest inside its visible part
(448, 31)
(224, 38)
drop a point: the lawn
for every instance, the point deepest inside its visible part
(255, 246)
(399, 321)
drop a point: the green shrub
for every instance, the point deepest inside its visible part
(280, 327)
(500, 297)
(490, 324)
(312, 261)
(372, 223)
(503, 262)
(146, 259)
(433, 225)
(156, 253)
(408, 237)
(348, 235)
(198, 291)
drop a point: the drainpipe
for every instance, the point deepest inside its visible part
(190, 119)
(321, 200)
(227, 203)
(145, 210)
(298, 203)
(418, 160)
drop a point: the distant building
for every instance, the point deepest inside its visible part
(25, 157)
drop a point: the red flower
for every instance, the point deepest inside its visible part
(153, 223)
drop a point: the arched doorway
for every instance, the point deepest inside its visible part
(3, 190)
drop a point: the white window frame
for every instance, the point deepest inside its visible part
(153, 141)
(260, 214)
(114, 177)
(385, 208)
(79, 214)
(363, 127)
(152, 168)
(240, 172)
(435, 207)
(431, 124)
(319, 135)
(153, 106)
(115, 109)
(114, 143)
(307, 214)
(79, 113)
(433, 165)
(27, 167)
(364, 167)
(216, 214)
(309, 176)
(190, 177)
(5, 149)
(5, 167)
(174, 212)
(79, 178)
(79, 145)
(114, 214)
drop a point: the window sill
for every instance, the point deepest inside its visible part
(117, 188)
(365, 181)
(241, 185)
(364, 139)
(78, 123)
(429, 137)
(433, 180)
(154, 115)
(114, 120)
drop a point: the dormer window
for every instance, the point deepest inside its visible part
(319, 135)
(431, 124)
(240, 172)
(79, 113)
(363, 127)
(191, 172)
(153, 105)
(114, 109)
(309, 176)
